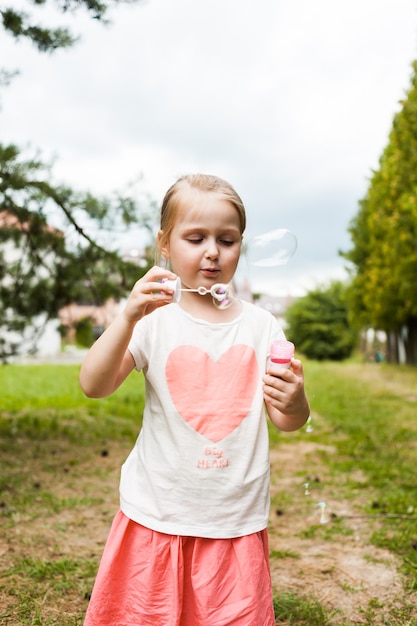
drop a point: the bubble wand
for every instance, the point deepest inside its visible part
(222, 294)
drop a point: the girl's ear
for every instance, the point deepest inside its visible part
(163, 246)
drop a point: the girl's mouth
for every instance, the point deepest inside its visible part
(210, 272)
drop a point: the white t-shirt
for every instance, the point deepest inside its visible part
(200, 466)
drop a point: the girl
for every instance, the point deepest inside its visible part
(189, 545)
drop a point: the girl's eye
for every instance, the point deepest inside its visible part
(227, 242)
(195, 240)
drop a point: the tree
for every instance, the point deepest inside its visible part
(41, 270)
(19, 24)
(384, 233)
(318, 324)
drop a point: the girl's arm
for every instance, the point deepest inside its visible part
(108, 362)
(285, 398)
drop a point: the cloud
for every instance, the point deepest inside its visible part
(290, 101)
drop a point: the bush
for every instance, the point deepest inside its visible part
(84, 332)
(318, 324)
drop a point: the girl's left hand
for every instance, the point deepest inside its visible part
(285, 397)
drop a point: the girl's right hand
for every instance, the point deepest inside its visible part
(148, 294)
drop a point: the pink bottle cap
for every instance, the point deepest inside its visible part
(281, 351)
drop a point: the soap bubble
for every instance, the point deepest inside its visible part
(324, 513)
(222, 296)
(272, 248)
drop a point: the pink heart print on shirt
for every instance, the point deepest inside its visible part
(213, 397)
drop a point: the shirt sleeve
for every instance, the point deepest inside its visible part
(138, 345)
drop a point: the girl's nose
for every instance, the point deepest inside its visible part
(212, 250)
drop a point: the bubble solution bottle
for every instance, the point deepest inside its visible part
(281, 353)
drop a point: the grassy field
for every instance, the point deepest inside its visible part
(60, 456)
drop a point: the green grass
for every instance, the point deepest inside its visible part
(46, 401)
(29, 574)
(54, 443)
(55, 447)
(372, 423)
(299, 611)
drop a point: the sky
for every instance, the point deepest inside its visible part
(291, 101)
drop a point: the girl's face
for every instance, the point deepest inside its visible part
(204, 245)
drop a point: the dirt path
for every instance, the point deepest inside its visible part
(332, 562)
(340, 568)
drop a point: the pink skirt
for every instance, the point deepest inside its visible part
(147, 578)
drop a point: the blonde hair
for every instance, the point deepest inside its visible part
(171, 203)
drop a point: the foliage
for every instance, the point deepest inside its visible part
(318, 324)
(384, 234)
(44, 268)
(41, 270)
(84, 332)
(19, 24)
